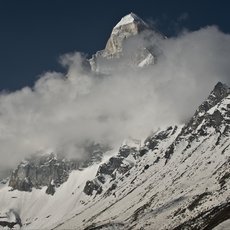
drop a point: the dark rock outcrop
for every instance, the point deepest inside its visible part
(108, 170)
(10, 220)
(50, 170)
(41, 171)
(50, 189)
(208, 219)
(219, 92)
(213, 113)
(92, 186)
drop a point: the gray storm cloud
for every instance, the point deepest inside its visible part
(64, 111)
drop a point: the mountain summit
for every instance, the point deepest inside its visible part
(131, 30)
(131, 18)
(128, 26)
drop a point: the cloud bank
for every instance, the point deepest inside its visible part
(62, 112)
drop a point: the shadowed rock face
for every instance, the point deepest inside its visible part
(108, 171)
(219, 92)
(92, 186)
(208, 219)
(41, 171)
(50, 171)
(10, 219)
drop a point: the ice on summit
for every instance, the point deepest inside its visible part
(130, 18)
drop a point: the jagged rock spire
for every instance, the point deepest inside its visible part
(142, 55)
(128, 26)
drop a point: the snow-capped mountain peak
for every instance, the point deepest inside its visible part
(128, 26)
(130, 18)
(127, 29)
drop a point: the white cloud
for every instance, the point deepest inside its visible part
(62, 112)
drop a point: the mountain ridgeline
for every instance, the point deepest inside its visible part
(177, 178)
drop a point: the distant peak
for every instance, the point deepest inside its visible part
(219, 92)
(130, 18)
(128, 26)
(220, 85)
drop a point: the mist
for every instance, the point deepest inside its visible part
(63, 111)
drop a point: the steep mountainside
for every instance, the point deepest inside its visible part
(178, 178)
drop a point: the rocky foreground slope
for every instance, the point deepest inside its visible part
(177, 178)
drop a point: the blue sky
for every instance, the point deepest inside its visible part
(35, 33)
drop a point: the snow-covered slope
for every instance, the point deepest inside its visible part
(178, 178)
(37, 210)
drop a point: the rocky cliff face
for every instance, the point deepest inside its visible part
(49, 170)
(41, 171)
(108, 172)
(129, 25)
(219, 92)
(133, 29)
(10, 220)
